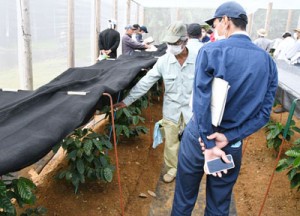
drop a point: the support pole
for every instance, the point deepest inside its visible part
(128, 12)
(71, 56)
(250, 18)
(289, 20)
(95, 31)
(268, 17)
(24, 45)
(138, 14)
(116, 12)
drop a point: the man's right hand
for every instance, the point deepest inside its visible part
(119, 105)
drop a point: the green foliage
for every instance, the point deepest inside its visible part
(275, 133)
(86, 157)
(292, 164)
(20, 190)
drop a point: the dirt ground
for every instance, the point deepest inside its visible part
(140, 167)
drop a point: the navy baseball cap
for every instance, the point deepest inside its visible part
(230, 9)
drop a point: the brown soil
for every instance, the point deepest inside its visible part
(140, 167)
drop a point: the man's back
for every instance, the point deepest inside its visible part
(252, 76)
(109, 39)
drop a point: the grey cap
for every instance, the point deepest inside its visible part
(230, 9)
(175, 31)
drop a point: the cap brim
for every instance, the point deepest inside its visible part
(210, 21)
(171, 39)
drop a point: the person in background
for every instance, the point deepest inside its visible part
(262, 41)
(252, 76)
(204, 37)
(141, 33)
(177, 69)
(136, 32)
(194, 34)
(109, 40)
(293, 54)
(128, 44)
(286, 44)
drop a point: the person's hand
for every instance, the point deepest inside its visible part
(214, 153)
(118, 106)
(220, 140)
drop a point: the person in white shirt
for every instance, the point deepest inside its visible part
(286, 44)
(293, 54)
(194, 35)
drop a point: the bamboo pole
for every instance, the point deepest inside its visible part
(95, 31)
(24, 45)
(71, 45)
(138, 14)
(289, 20)
(116, 12)
(250, 23)
(268, 17)
(128, 12)
(143, 15)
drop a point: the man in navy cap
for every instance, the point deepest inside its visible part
(252, 76)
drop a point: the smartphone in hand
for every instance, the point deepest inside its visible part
(217, 165)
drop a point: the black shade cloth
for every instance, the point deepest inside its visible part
(288, 85)
(32, 122)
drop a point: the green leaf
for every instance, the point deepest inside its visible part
(107, 143)
(72, 155)
(25, 191)
(108, 174)
(98, 144)
(292, 153)
(88, 145)
(291, 174)
(135, 120)
(119, 114)
(7, 206)
(126, 112)
(68, 175)
(103, 160)
(126, 131)
(296, 162)
(80, 166)
(78, 143)
(2, 188)
(295, 182)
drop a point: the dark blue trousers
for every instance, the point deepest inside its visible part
(190, 172)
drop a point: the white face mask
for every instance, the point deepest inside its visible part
(174, 49)
(217, 36)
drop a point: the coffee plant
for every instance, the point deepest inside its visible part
(87, 158)
(275, 133)
(292, 164)
(19, 191)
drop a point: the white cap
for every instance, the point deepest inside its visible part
(112, 23)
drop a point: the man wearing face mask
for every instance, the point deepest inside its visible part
(252, 76)
(176, 68)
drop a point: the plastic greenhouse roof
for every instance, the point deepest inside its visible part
(250, 6)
